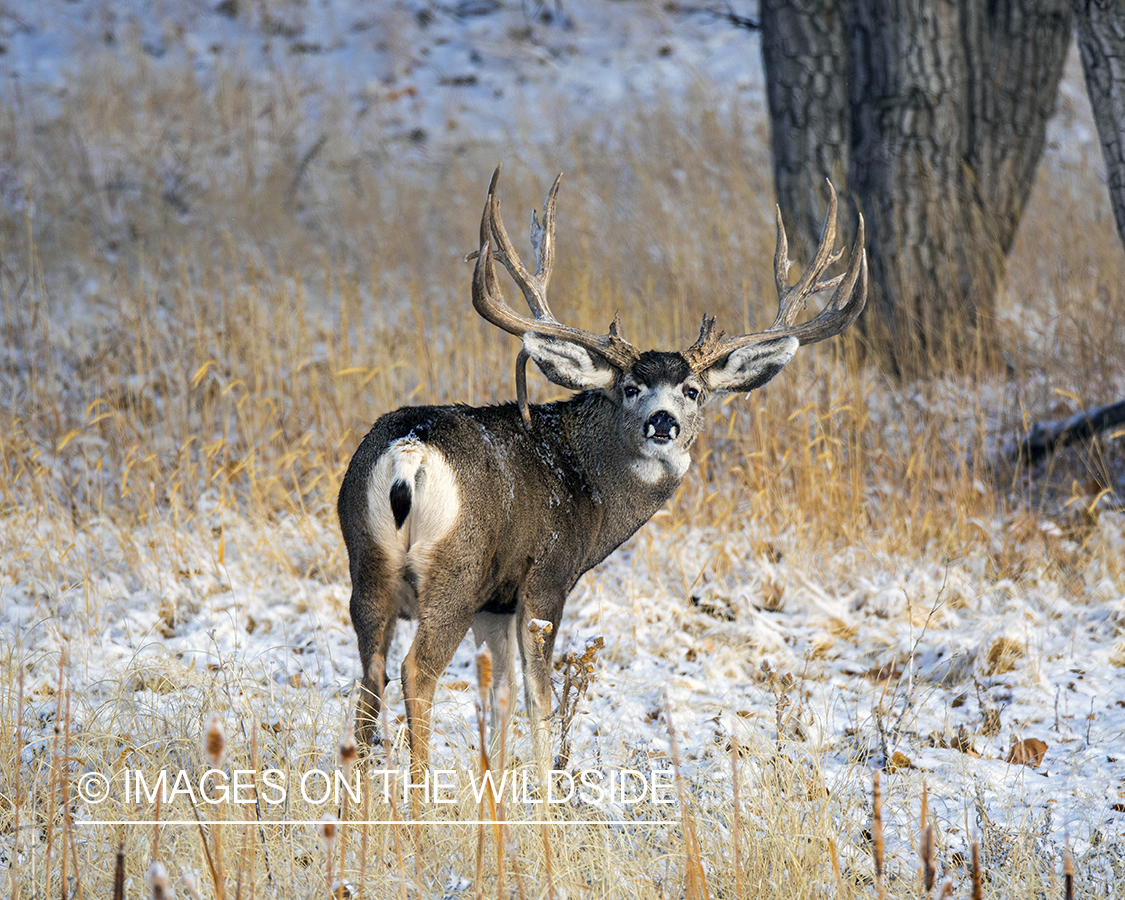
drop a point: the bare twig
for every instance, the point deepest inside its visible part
(877, 847)
(695, 887)
(737, 829)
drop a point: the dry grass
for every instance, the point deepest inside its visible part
(206, 301)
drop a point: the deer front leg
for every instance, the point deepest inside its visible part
(496, 630)
(537, 655)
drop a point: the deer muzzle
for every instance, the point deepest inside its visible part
(662, 427)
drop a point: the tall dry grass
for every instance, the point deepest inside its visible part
(207, 296)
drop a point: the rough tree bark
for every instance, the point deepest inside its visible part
(950, 103)
(1101, 39)
(946, 114)
(804, 51)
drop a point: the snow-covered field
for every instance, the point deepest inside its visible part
(842, 658)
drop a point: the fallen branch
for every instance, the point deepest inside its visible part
(1045, 437)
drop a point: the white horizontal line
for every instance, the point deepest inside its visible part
(351, 823)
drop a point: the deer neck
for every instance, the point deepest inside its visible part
(628, 486)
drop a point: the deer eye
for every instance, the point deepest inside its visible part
(691, 393)
(631, 391)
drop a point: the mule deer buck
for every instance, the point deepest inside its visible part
(485, 518)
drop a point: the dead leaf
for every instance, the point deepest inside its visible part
(1028, 752)
(898, 762)
(891, 670)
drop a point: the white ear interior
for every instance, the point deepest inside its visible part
(567, 364)
(751, 367)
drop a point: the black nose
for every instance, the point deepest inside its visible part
(661, 427)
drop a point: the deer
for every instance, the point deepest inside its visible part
(484, 518)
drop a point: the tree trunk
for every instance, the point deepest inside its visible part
(949, 104)
(1101, 38)
(804, 53)
(932, 114)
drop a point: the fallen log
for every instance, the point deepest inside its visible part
(1045, 437)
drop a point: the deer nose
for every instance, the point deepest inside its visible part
(662, 427)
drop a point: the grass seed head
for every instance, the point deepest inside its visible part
(484, 669)
(215, 742)
(329, 827)
(189, 881)
(348, 751)
(157, 879)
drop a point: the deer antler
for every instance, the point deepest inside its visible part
(841, 311)
(495, 245)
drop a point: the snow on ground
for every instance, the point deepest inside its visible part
(923, 657)
(430, 73)
(919, 654)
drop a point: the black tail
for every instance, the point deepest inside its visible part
(400, 501)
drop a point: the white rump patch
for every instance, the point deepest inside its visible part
(435, 502)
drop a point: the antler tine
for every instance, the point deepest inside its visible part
(792, 299)
(846, 303)
(533, 287)
(543, 234)
(491, 305)
(841, 311)
(781, 260)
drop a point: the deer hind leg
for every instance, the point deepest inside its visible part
(373, 611)
(498, 631)
(445, 612)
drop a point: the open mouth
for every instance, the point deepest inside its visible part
(662, 428)
(660, 435)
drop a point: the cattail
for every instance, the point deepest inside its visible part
(119, 874)
(503, 697)
(737, 823)
(1068, 872)
(484, 669)
(348, 751)
(946, 888)
(504, 709)
(189, 881)
(215, 749)
(157, 878)
(328, 830)
(215, 742)
(926, 846)
(926, 851)
(877, 833)
(978, 882)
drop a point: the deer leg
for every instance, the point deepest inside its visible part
(373, 616)
(442, 623)
(495, 629)
(537, 688)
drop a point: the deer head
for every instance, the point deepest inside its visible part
(661, 394)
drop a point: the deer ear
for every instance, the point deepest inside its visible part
(567, 364)
(751, 367)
